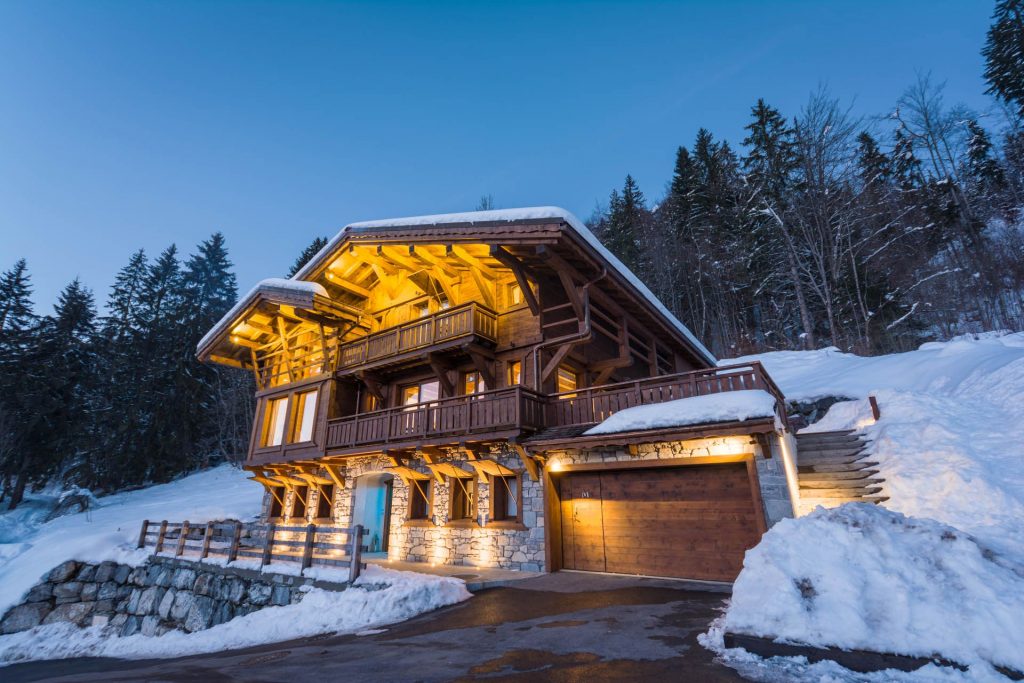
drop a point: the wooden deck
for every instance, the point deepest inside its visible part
(468, 322)
(504, 412)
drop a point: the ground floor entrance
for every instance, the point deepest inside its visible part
(691, 522)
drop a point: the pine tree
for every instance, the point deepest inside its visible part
(875, 167)
(1004, 53)
(307, 254)
(123, 302)
(984, 175)
(17, 325)
(626, 217)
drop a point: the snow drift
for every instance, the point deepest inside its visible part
(729, 406)
(863, 577)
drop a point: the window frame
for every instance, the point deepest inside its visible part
(320, 501)
(297, 404)
(275, 503)
(470, 490)
(275, 425)
(428, 502)
(511, 369)
(305, 503)
(505, 522)
(576, 381)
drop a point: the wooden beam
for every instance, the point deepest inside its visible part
(284, 346)
(565, 274)
(528, 462)
(519, 270)
(404, 261)
(338, 281)
(461, 254)
(224, 360)
(484, 285)
(423, 254)
(556, 360)
(373, 385)
(441, 369)
(483, 366)
(334, 473)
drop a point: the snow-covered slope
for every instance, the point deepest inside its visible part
(950, 446)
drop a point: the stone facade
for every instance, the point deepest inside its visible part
(163, 595)
(486, 544)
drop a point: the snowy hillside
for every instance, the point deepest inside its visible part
(29, 548)
(947, 575)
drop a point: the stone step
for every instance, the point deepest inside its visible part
(830, 447)
(844, 484)
(829, 459)
(841, 432)
(829, 438)
(852, 466)
(836, 476)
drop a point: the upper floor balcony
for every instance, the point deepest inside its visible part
(472, 322)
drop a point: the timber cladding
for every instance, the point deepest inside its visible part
(693, 521)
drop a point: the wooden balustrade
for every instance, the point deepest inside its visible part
(312, 544)
(467, 320)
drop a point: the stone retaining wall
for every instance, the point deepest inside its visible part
(162, 595)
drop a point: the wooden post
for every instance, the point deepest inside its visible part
(160, 537)
(356, 553)
(142, 534)
(307, 549)
(207, 536)
(182, 535)
(268, 549)
(875, 411)
(235, 538)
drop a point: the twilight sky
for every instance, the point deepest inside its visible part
(138, 124)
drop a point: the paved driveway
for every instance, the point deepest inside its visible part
(559, 627)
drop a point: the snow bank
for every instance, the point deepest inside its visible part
(379, 597)
(862, 577)
(730, 406)
(111, 531)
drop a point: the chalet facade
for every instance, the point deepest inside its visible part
(439, 379)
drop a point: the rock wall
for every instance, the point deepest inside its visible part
(153, 598)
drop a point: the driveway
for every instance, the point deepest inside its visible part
(566, 626)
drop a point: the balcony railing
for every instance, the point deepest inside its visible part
(488, 411)
(596, 404)
(468, 320)
(518, 408)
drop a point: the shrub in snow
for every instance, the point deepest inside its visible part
(863, 577)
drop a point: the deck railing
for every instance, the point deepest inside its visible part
(488, 411)
(467, 320)
(518, 408)
(596, 404)
(310, 544)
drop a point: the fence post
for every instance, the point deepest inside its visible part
(268, 549)
(142, 534)
(160, 537)
(206, 540)
(235, 538)
(182, 535)
(307, 549)
(875, 411)
(356, 554)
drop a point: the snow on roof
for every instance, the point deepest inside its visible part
(729, 406)
(512, 215)
(281, 287)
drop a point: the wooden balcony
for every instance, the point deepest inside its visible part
(509, 412)
(596, 404)
(465, 323)
(498, 412)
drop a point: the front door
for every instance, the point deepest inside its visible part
(371, 507)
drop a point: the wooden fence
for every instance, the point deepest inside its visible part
(310, 545)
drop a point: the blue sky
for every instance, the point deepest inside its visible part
(137, 124)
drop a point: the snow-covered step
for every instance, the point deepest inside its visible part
(845, 484)
(859, 493)
(833, 468)
(860, 473)
(829, 449)
(837, 467)
(819, 438)
(828, 460)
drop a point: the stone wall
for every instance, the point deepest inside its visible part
(162, 595)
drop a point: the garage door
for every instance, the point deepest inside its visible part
(688, 522)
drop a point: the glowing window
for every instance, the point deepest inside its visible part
(515, 294)
(305, 416)
(505, 498)
(419, 499)
(515, 373)
(474, 383)
(568, 380)
(277, 416)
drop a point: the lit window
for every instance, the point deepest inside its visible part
(568, 380)
(277, 414)
(505, 498)
(420, 393)
(299, 501)
(423, 309)
(515, 294)
(474, 383)
(443, 303)
(419, 499)
(515, 373)
(463, 498)
(305, 416)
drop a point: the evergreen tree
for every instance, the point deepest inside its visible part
(625, 226)
(875, 167)
(308, 253)
(984, 174)
(1004, 53)
(17, 326)
(125, 295)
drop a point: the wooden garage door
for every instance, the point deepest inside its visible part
(689, 522)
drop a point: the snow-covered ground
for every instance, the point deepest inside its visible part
(726, 407)
(30, 547)
(938, 569)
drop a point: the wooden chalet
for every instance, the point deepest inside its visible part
(433, 379)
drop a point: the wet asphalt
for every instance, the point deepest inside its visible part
(566, 626)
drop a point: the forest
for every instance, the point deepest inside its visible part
(821, 228)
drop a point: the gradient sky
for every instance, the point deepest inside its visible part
(137, 124)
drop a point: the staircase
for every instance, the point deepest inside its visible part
(833, 469)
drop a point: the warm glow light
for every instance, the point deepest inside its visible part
(555, 465)
(789, 465)
(730, 446)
